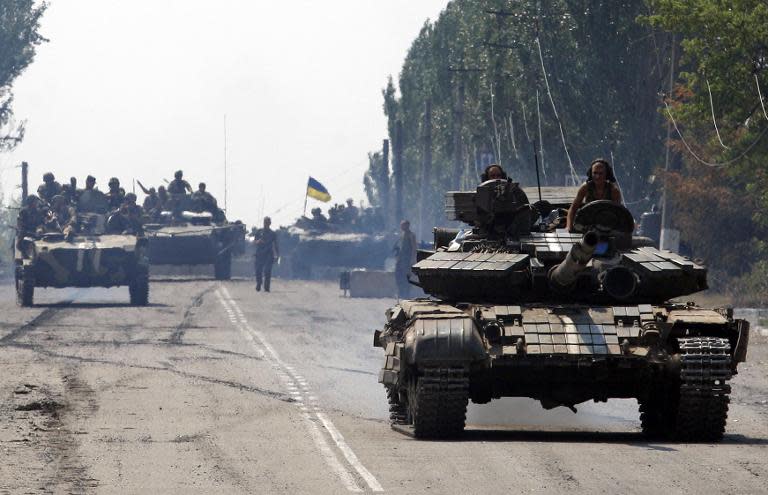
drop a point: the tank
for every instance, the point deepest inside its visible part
(190, 236)
(312, 248)
(519, 308)
(89, 258)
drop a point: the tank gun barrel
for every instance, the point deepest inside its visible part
(564, 275)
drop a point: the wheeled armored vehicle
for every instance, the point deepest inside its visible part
(190, 236)
(88, 258)
(522, 310)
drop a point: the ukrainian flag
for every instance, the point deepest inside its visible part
(317, 191)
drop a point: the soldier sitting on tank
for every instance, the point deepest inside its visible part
(49, 188)
(205, 200)
(493, 172)
(125, 221)
(517, 215)
(351, 213)
(62, 217)
(151, 202)
(70, 191)
(116, 194)
(178, 185)
(30, 219)
(601, 184)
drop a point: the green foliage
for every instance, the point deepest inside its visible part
(479, 65)
(19, 38)
(725, 49)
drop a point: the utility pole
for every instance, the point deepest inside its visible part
(458, 142)
(24, 181)
(384, 180)
(426, 163)
(225, 162)
(667, 240)
(397, 170)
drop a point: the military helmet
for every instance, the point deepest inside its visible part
(48, 177)
(178, 174)
(31, 199)
(90, 178)
(114, 180)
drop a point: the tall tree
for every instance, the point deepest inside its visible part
(19, 38)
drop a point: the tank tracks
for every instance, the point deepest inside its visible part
(695, 407)
(436, 406)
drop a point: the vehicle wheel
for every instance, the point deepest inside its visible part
(138, 288)
(25, 288)
(222, 267)
(437, 402)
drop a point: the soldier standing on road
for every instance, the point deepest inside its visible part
(405, 253)
(266, 254)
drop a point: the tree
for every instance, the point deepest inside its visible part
(722, 136)
(493, 69)
(19, 38)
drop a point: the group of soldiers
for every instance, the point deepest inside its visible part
(346, 217)
(69, 210)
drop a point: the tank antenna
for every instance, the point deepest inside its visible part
(536, 161)
(225, 162)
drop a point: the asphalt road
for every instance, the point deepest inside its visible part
(216, 388)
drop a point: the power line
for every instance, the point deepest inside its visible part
(557, 117)
(701, 160)
(760, 94)
(714, 120)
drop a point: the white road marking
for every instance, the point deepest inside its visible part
(289, 377)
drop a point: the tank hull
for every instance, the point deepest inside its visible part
(560, 355)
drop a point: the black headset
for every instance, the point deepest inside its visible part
(608, 170)
(484, 175)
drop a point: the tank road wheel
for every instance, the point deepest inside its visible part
(695, 407)
(25, 288)
(222, 267)
(138, 288)
(437, 402)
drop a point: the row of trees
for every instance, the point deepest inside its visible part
(19, 39)
(588, 78)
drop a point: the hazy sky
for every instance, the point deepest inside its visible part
(138, 89)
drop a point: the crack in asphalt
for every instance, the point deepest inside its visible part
(44, 317)
(186, 321)
(216, 381)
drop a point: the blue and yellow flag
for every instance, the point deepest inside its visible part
(317, 191)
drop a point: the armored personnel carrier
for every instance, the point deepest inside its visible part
(523, 310)
(188, 235)
(89, 258)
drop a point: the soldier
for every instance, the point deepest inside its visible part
(90, 183)
(62, 217)
(493, 172)
(116, 194)
(266, 254)
(49, 188)
(351, 212)
(162, 195)
(405, 255)
(152, 201)
(601, 184)
(204, 199)
(178, 185)
(31, 216)
(124, 221)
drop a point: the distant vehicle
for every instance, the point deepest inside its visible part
(90, 258)
(312, 249)
(190, 236)
(523, 310)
